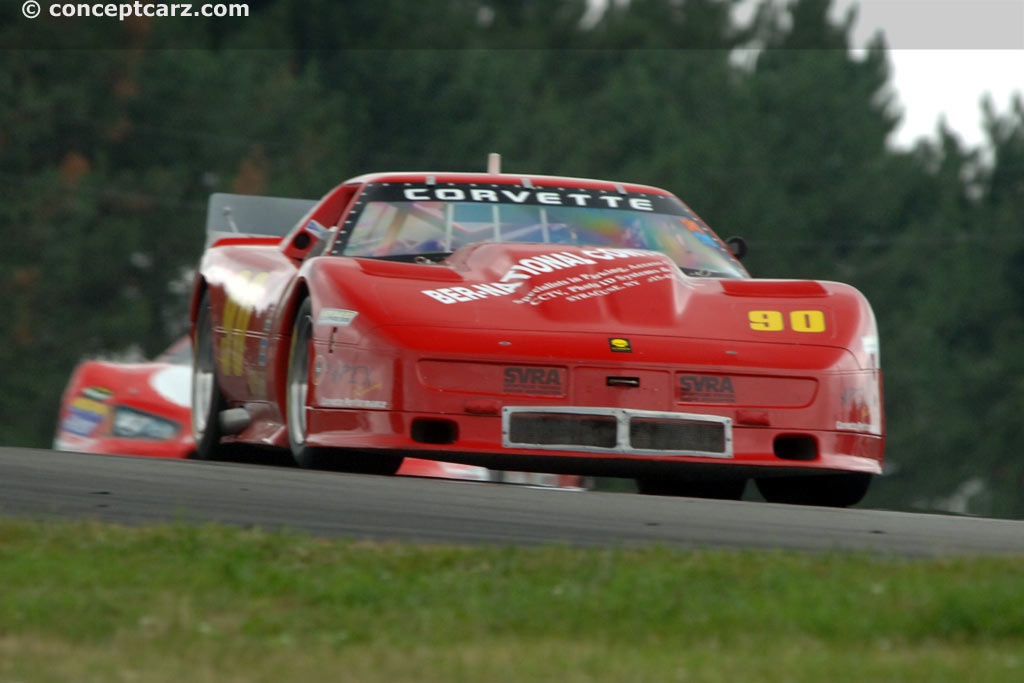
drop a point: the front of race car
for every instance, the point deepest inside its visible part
(593, 329)
(127, 409)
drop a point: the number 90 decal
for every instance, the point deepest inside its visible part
(777, 321)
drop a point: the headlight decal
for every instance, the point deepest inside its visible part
(129, 423)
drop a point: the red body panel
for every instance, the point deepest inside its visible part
(427, 358)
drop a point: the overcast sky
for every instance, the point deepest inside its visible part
(947, 55)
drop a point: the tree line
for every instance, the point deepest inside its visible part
(113, 134)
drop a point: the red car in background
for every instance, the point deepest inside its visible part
(144, 409)
(129, 408)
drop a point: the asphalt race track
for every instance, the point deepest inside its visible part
(47, 484)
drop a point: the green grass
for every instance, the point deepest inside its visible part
(89, 602)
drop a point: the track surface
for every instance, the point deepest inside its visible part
(45, 484)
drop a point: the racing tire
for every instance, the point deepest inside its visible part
(825, 490)
(722, 489)
(297, 404)
(207, 399)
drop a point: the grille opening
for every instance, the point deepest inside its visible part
(615, 430)
(796, 447)
(572, 430)
(434, 431)
(676, 435)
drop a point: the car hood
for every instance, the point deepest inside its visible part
(569, 290)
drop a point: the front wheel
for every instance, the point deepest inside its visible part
(827, 490)
(297, 410)
(298, 387)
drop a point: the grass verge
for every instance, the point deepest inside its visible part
(92, 602)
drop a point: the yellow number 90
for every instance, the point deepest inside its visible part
(799, 321)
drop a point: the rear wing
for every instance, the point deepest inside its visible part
(244, 215)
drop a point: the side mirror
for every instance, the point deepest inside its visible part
(304, 241)
(738, 246)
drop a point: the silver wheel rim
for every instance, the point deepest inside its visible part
(202, 381)
(202, 384)
(298, 391)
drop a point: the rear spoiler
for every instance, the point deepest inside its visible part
(245, 215)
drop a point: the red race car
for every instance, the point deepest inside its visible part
(144, 408)
(129, 408)
(525, 322)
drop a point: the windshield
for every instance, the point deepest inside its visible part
(423, 221)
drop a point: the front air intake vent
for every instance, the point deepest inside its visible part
(556, 429)
(611, 430)
(438, 432)
(666, 435)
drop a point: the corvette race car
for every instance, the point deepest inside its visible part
(527, 322)
(144, 408)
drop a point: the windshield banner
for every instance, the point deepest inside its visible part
(499, 193)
